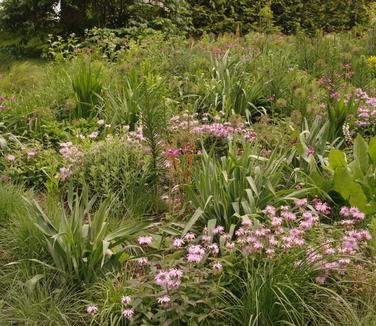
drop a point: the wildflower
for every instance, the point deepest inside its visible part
(142, 261)
(206, 238)
(246, 222)
(301, 202)
(195, 253)
(321, 207)
(64, 173)
(11, 157)
(162, 278)
(230, 246)
(165, 198)
(320, 279)
(217, 266)
(93, 135)
(145, 240)
(178, 243)
(100, 122)
(126, 299)
(345, 211)
(269, 210)
(310, 151)
(164, 300)
(357, 214)
(335, 96)
(92, 309)
(214, 249)
(218, 230)
(31, 153)
(189, 236)
(276, 221)
(128, 313)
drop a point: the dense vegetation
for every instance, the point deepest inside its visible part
(151, 178)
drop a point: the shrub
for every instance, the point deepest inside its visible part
(114, 169)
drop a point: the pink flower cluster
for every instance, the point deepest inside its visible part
(72, 155)
(70, 152)
(145, 240)
(366, 115)
(288, 227)
(174, 152)
(169, 279)
(4, 101)
(223, 130)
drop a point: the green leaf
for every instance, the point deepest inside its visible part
(337, 158)
(372, 149)
(198, 213)
(361, 153)
(30, 284)
(350, 190)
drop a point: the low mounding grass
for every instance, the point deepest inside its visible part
(276, 293)
(36, 299)
(11, 203)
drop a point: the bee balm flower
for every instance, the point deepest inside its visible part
(92, 309)
(145, 240)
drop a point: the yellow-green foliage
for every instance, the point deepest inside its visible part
(21, 76)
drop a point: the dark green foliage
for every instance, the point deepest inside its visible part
(216, 16)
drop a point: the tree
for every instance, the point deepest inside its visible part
(27, 15)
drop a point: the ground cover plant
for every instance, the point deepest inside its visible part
(152, 178)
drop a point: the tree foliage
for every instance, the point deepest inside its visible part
(207, 16)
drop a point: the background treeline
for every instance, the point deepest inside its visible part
(193, 17)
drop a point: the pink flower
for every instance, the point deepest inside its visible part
(93, 135)
(345, 212)
(310, 151)
(195, 253)
(246, 222)
(92, 309)
(192, 258)
(165, 198)
(335, 96)
(357, 214)
(269, 210)
(206, 238)
(171, 278)
(65, 173)
(276, 221)
(31, 153)
(164, 300)
(218, 230)
(11, 157)
(162, 278)
(321, 207)
(178, 243)
(214, 249)
(230, 246)
(145, 240)
(126, 299)
(128, 313)
(217, 266)
(190, 236)
(301, 202)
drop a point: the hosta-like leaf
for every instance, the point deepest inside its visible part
(337, 159)
(361, 153)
